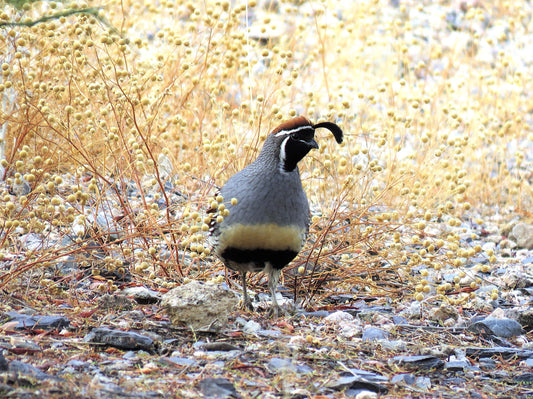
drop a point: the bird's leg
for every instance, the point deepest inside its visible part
(273, 279)
(246, 302)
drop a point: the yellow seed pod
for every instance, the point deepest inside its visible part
(214, 205)
(219, 199)
(419, 297)
(225, 213)
(234, 201)
(221, 207)
(301, 270)
(205, 227)
(220, 219)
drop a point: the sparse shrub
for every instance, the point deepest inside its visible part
(181, 96)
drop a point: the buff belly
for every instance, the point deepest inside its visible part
(252, 247)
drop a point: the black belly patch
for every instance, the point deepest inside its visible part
(259, 257)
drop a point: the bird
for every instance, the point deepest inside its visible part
(266, 210)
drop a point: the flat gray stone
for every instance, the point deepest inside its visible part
(505, 328)
(374, 334)
(421, 362)
(119, 339)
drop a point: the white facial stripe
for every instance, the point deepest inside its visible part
(282, 154)
(287, 132)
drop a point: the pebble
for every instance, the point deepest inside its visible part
(219, 388)
(362, 381)
(181, 361)
(251, 327)
(419, 362)
(338, 316)
(142, 295)
(277, 365)
(522, 234)
(119, 339)
(456, 365)
(115, 302)
(374, 334)
(41, 322)
(505, 328)
(499, 351)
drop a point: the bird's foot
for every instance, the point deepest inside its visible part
(275, 311)
(247, 305)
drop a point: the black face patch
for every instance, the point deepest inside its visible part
(259, 257)
(294, 148)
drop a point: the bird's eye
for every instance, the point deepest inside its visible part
(305, 135)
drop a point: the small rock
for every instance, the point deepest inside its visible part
(3, 362)
(399, 320)
(499, 351)
(338, 316)
(493, 238)
(17, 367)
(487, 363)
(456, 365)
(217, 388)
(119, 339)
(488, 246)
(34, 242)
(23, 345)
(404, 378)
(505, 328)
(423, 383)
(115, 302)
(278, 365)
(20, 189)
(251, 327)
(38, 322)
(374, 334)
(219, 346)
(515, 280)
(525, 318)
(142, 295)
(443, 313)
(524, 378)
(508, 244)
(394, 345)
(360, 382)
(181, 361)
(200, 305)
(420, 362)
(414, 311)
(362, 394)
(522, 234)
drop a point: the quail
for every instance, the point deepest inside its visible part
(269, 216)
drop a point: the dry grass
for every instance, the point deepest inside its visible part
(184, 95)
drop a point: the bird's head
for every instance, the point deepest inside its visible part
(293, 139)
